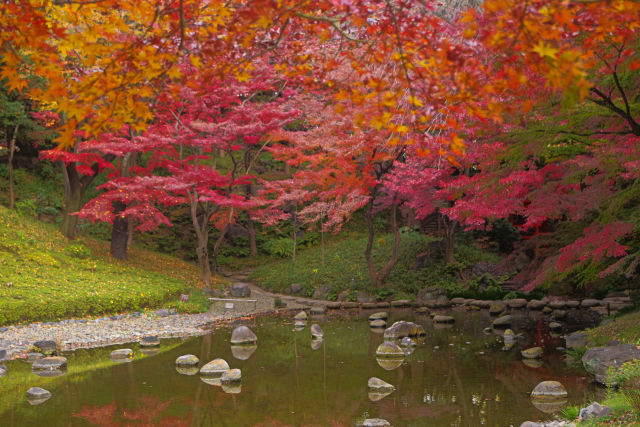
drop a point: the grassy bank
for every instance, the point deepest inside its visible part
(345, 268)
(46, 277)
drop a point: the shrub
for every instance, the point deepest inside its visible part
(78, 250)
(279, 248)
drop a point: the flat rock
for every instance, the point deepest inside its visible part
(443, 319)
(301, 316)
(37, 395)
(557, 304)
(532, 353)
(559, 314)
(333, 304)
(240, 290)
(214, 368)
(379, 385)
(368, 305)
(401, 303)
(457, 301)
(379, 315)
(49, 363)
(319, 309)
(572, 304)
(555, 326)
(316, 331)
(497, 307)
(422, 310)
(187, 360)
(503, 321)
(535, 304)
(588, 303)
(348, 304)
(598, 360)
(150, 341)
(378, 324)
(383, 304)
(375, 422)
(517, 303)
(33, 356)
(577, 340)
(121, 354)
(389, 349)
(549, 390)
(243, 335)
(231, 376)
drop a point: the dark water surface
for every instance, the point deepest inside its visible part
(459, 376)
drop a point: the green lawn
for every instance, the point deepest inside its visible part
(43, 276)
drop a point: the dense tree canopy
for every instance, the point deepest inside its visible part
(374, 105)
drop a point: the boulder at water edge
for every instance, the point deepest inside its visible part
(46, 347)
(389, 349)
(595, 410)
(187, 360)
(577, 340)
(379, 385)
(598, 360)
(517, 303)
(37, 395)
(301, 316)
(497, 307)
(214, 368)
(316, 331)
(231, 376)
(243, 335)
(379, 324)
(318, 309)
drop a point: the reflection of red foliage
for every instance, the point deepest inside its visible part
(148, 413)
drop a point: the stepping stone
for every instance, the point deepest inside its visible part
(379, 315)
(375, 422)
(368, 305)
(150, 341)
(49, 363)
(215, 368)
(301, 316)
(37, 395)
(503, 321)
(401, 303)
(389, 349)
(379, 385)
(243, 335)
(33, 356)
(333, 304)
(379, 323)
(535, 304)
(497, 307)
(231, 376)
(517, 303)
(532, 353)
(187, 360)
(350, 305)
(549, 390)
(316, 331)
(122, 354)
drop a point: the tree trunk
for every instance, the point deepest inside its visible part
(201, 227)
(119, 232)
(378, 277)
(322, 240)
(216, 249)
(12, 149)
(253, 247)
(73, 196)
(449, 228)
(295, 234)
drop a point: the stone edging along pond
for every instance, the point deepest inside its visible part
(17, 341)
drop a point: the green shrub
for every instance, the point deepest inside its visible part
(279, 248)
(27, 207)
(78, 250)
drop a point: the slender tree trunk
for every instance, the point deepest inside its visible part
(322, 239)
(378, 277)
(449, 228)
(295, 234)
(12, 149)
(119, 232)
(253, 247)
(73, 196)
(201, 228)
(216, 248)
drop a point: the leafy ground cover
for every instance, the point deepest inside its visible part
(345, 268)
(46, 277)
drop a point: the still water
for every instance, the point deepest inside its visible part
(457, 376)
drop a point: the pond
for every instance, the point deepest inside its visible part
(459, 375)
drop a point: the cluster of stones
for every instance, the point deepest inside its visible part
(218, 372)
